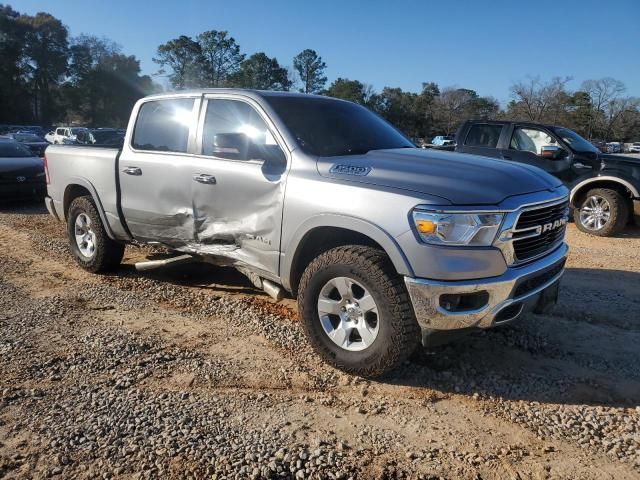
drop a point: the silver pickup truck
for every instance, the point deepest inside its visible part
(385, 245)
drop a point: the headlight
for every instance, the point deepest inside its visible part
(453, 228)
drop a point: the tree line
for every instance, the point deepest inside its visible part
(47, 76)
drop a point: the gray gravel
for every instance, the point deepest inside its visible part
(94, 399)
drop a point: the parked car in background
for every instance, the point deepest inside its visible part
(614, 147)
(602, 146)
(605, 188)
(32, 141)
(430, 247)
(100, 136)
(634, 147)
(21, 172)
(66, 135)
(442, 140)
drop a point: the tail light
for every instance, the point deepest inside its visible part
(46, 169)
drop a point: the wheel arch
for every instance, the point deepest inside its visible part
(321, 233)
(79, 187)
(615, 183)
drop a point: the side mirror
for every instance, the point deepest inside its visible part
(552, 152)
(230, 145)
(239, 146)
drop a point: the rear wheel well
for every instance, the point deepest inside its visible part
(71, 193)
(319, 240)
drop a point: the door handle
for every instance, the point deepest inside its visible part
(204, 178)
(581, 165)
(133, 171)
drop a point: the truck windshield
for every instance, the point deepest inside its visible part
(575, 141)
(326, 127)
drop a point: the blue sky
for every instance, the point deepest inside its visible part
(483, 45)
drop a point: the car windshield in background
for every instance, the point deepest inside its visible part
(326, 127)
(27, 137)
(14, 150)
(575, 141)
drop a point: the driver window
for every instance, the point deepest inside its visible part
(530, 140)
(234, 130)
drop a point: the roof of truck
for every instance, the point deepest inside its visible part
(237, 91)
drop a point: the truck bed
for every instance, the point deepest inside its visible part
(89, 167)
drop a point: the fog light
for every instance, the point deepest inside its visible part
(462, 302)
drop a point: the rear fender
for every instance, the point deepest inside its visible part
(83, 182)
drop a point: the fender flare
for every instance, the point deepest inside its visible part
(355, 224)
(83, 182)
(604, 178)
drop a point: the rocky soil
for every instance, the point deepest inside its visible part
(189, 372)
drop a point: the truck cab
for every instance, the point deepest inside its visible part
(605, 189)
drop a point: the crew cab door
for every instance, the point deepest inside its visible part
(155, 171)
(237, 184)
(538, 147)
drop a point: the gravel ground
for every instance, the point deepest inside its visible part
(190, 372)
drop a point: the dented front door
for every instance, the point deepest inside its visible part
(238, 183)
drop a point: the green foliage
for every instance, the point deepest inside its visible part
(352, 90)
(262, 73)
(183, 56)
(310, 68)
(46, 78)
(220, 57)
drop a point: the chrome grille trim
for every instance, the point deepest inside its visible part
(510, 233)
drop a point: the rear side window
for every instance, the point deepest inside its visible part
(483, 135)
(163, 125)
(60, 131)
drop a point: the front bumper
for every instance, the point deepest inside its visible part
(519, 289)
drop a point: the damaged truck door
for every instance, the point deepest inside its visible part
(205, 176)
(238, 184)
(155, 172)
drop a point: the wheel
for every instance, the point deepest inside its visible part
(91, 246)
(602, 211)
(356, 311)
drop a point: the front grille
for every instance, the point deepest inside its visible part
(535, 239)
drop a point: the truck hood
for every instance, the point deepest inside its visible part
(461, 179)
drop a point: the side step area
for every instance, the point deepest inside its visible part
(153, 264)
(270, 288)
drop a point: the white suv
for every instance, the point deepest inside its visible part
(65, 135)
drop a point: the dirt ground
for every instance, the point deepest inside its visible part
(189, 372)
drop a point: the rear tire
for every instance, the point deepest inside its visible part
(603, 212)
(391, 333)
(92, 248)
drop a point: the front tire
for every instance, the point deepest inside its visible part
(602, 212)
(90, 245)
(356, 311)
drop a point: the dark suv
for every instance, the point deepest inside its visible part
(604, 188)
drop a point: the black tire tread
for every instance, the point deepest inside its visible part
(619, 212)
(108, 252)
(379, 269)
